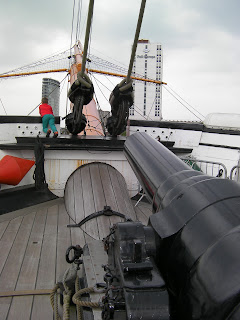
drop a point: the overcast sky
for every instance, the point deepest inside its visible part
(200, 42)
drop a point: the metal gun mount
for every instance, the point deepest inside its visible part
(185, 264)
(135, 286)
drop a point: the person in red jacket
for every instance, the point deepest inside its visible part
(46, 113)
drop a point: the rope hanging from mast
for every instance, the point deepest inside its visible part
(81, 91)
(134, 47)
(121, 98)
(87, 36)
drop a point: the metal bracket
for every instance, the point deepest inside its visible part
(107, 211)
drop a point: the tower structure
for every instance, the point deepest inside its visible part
(147, 97)
(51, 90)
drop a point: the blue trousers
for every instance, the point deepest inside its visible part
(48, 119)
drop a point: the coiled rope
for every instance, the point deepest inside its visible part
(77, 301)
(54, 301)
(66, 305)
(67, 299)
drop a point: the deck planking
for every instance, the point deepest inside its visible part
(21, 306)
(103, 222)
(34, 257)
(46, 278)
(33, 242)
(14, 259)
(91, 227)
(92, 187)
(3, 227)
(143, 210)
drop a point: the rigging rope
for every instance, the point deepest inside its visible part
(100, 82)
(137, 109)
(56, 57)
(109, 81)
(3, 107)
(62, 85)
(118, 62)
(151, 107)
(49, 95)
(186, 102)
(100, 115)
(96, 81)
(182, 104)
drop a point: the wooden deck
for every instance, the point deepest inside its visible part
(89, 189)
(33, 243)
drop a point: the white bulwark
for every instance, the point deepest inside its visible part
(147, 96)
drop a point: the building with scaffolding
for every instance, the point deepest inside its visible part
(147, 96)
(51, 90)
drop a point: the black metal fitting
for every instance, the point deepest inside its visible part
(78, 251)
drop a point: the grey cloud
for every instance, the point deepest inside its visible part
(200, 38)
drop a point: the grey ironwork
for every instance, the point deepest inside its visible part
(214, 166)
(236, 178)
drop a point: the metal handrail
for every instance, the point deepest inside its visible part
(231, 172)
(224, 173)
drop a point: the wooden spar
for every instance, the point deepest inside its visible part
(124, 76)
(89, 189)
(75, 71)
(32, 73)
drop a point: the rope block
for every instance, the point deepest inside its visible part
(81, 87)
(121, 99)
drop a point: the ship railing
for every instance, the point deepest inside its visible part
(212, 168)
(235, 173)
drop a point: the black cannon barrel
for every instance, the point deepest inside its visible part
(197, 220)
(157, 168)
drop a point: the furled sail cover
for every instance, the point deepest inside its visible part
(13, 169)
